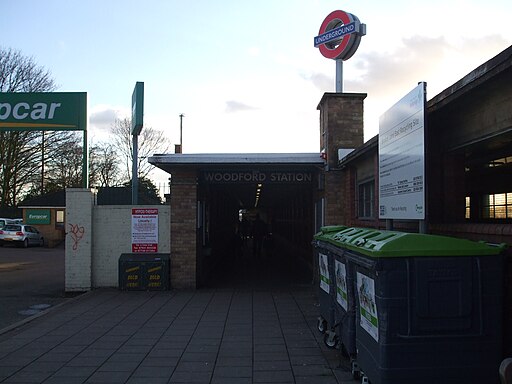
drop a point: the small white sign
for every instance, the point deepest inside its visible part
(325, 280)
(341, 284)
(369, 319)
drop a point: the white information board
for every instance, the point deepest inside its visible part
(402, 158)
(144, 230)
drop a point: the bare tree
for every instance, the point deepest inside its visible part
(150, 141)
(19, 153)
(20, 73)
(64, 167)
(62, 157)
(103, 166)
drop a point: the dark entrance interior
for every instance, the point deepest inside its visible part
(255, 226)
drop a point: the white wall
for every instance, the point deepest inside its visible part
(79, 203)
(97, 235)
(112, 237)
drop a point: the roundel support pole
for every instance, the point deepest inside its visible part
(339, 76)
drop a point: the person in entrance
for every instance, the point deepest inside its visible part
(259, 232)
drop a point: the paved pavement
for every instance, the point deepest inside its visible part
(30, 279)
(223, 335)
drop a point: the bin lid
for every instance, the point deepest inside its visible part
(351, 235)
(342, 237)
(328, 231)
(376, 243)
(144, 257)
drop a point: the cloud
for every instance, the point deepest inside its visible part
(102, 117)
(320, 80)
(254, 51)
(233, 106)
(379, 73)
(435, 60)
(383, 73)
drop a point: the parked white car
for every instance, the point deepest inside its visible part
(21, 235)
(4, 222)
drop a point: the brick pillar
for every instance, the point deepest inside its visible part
(341, 127)
(183, 229)
(334, 213)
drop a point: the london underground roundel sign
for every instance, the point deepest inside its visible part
(340, 35)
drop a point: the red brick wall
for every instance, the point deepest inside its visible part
(183, 229)
(334, 199)
(341, 123)
(341, 126)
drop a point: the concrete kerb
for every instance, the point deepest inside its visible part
(44, 312)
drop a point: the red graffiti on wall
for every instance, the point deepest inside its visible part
(76, 234)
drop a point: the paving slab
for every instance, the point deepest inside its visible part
(228, 335)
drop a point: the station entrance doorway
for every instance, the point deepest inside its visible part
(255, 216)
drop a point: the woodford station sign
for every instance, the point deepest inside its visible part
(257, 176)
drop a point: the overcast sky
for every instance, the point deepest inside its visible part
(245, 73)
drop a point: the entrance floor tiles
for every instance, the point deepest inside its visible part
(205, 336)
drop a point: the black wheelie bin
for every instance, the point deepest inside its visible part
(428, 308)
(144, 271)
(326, 292)
(345, 299)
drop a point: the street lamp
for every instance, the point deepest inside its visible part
(181, 130)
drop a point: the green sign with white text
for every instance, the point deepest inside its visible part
(43, 111)
(38, 216)
(46, 111)
(137, 108)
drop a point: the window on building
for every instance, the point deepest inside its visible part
(366, 199)
(500, 162)
(468, 208)
(59, 218)
(497, 206)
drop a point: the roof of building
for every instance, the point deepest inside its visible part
(499, 63)
(105, 196)
(367, 147)
(55, 199)
(169, 162)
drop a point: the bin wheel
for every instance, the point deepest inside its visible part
(321, 325)
(356, 371)
(331, 340)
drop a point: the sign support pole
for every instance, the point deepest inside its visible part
(135, 179)
(137, 123)
(85, 163)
